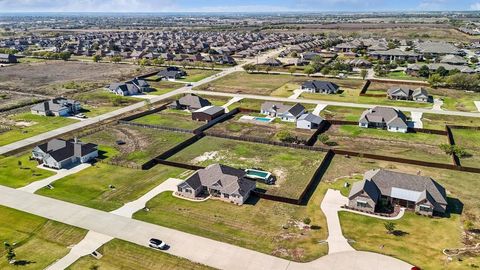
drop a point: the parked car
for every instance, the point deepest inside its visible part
(189, 84)
(157, 244)
(81, 115)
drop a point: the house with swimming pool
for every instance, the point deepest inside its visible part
(220, 182)
(289, 113)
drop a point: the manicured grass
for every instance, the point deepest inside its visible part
(163, 87)
(170, 118)
(437, 121)
(342, 113)
(38, 242)
(285, 90)
(418, 146)
(195, 75)
(19, 171)
(90, 187)
(470, 140)
(118, 254)
(292, 167)
(401, 75)
(426, 237)
(93, 110)
(37, 125)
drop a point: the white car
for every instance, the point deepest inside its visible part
(157, 244)
(81, 115)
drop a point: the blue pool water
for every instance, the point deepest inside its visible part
(262, 119)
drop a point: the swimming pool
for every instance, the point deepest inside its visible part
(260, 175)
(263, 119)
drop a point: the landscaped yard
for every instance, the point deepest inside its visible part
(170, 118)
(419, 146)
(25, 125)
(293, 168)
(425, 238)
(268, 131)
(19, 171)
(140, 144)
(108, 187)
(38, 242)
(118, 254)
(470, 140)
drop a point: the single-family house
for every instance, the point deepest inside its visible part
(383, 187)
(129, 88)
(322, 87)
(171, 74)
(208, 113)
(273, 62)
(385, 118)
(57, 107)
(453, 59)
(7, 58)
(190, 102)
(309, 121)
(218, 181)
(289, 113)
(405, 93)
(59, 154)
(395, 55)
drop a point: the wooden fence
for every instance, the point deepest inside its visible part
(181, 130)
(451, 141)
(144, 113)
(179, 165)
(365, 88)
(324, 126)
(216, 121)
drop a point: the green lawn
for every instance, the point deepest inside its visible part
(170, 118)
(470, 140)
(437, 121)
(31, 125)
(99, 98)
(292, 167)
(342, 113)
(141, 144)
(90, 187)
(118, 254)
(19, 171)
(163, 87)
(401, 75)
(39, 242)
(195, 75)
(418, 146)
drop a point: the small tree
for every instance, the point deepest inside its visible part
(116, 59)
(363, 73)
(285, 136)
(292, 70)
(389, 226)
(10, 252)
(435, 80)
(424, 71)
(307, 220)
(309, 70)
(96, 58)
(323, 138)
(268, 69)
(184, 64)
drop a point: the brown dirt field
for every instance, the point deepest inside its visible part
(48, 77)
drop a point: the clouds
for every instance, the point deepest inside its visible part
(475, 6)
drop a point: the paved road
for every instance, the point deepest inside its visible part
(195, 248)
(333, 103)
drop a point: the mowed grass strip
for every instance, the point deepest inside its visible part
(170, 118)
(18, 171)
(28, 125)
(293, 168)
(195, 75)
(118, 254)
(107, 187)
(38, 242)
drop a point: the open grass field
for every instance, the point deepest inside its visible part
(141, 144)
(426, 237)
(163, 87)
(293, 168)
(401, 75)
(437, 121)
(170, 118)
(39, 242)
(10, 100)
(342, 113)
(18, 171)
(90, 187)
(419, 146)
(268, 131)
(118, 254)
(470, 140)
(195, 75)
(25, 125)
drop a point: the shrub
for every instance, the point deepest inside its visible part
(323, 138)
(285, 136)
(307, 220)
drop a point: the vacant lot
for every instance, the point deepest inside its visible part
(170, 118)
(437, 121)
(418, 146)
(424, 238)
(50, 77)
(342, 113)
(18, 171)
(268, 131)
(140, 144)
(38, 242)
(10, 100)
(470, 140)
(293, 168)
(163, 87)
(25, 125)
(118, 254)
(195, 75)
(107, 187)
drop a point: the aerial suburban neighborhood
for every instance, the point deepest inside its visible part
(298, 136)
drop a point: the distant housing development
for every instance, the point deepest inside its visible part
(57, 107)
(419, 193)
(218, 181)
(59, 154)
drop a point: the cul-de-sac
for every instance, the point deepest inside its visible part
(239, 139)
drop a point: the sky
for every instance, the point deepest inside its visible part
(234, 5)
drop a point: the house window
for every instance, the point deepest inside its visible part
(425, 208)
(362, 204)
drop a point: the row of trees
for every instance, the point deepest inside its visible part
(52, 55)
(8, 51)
